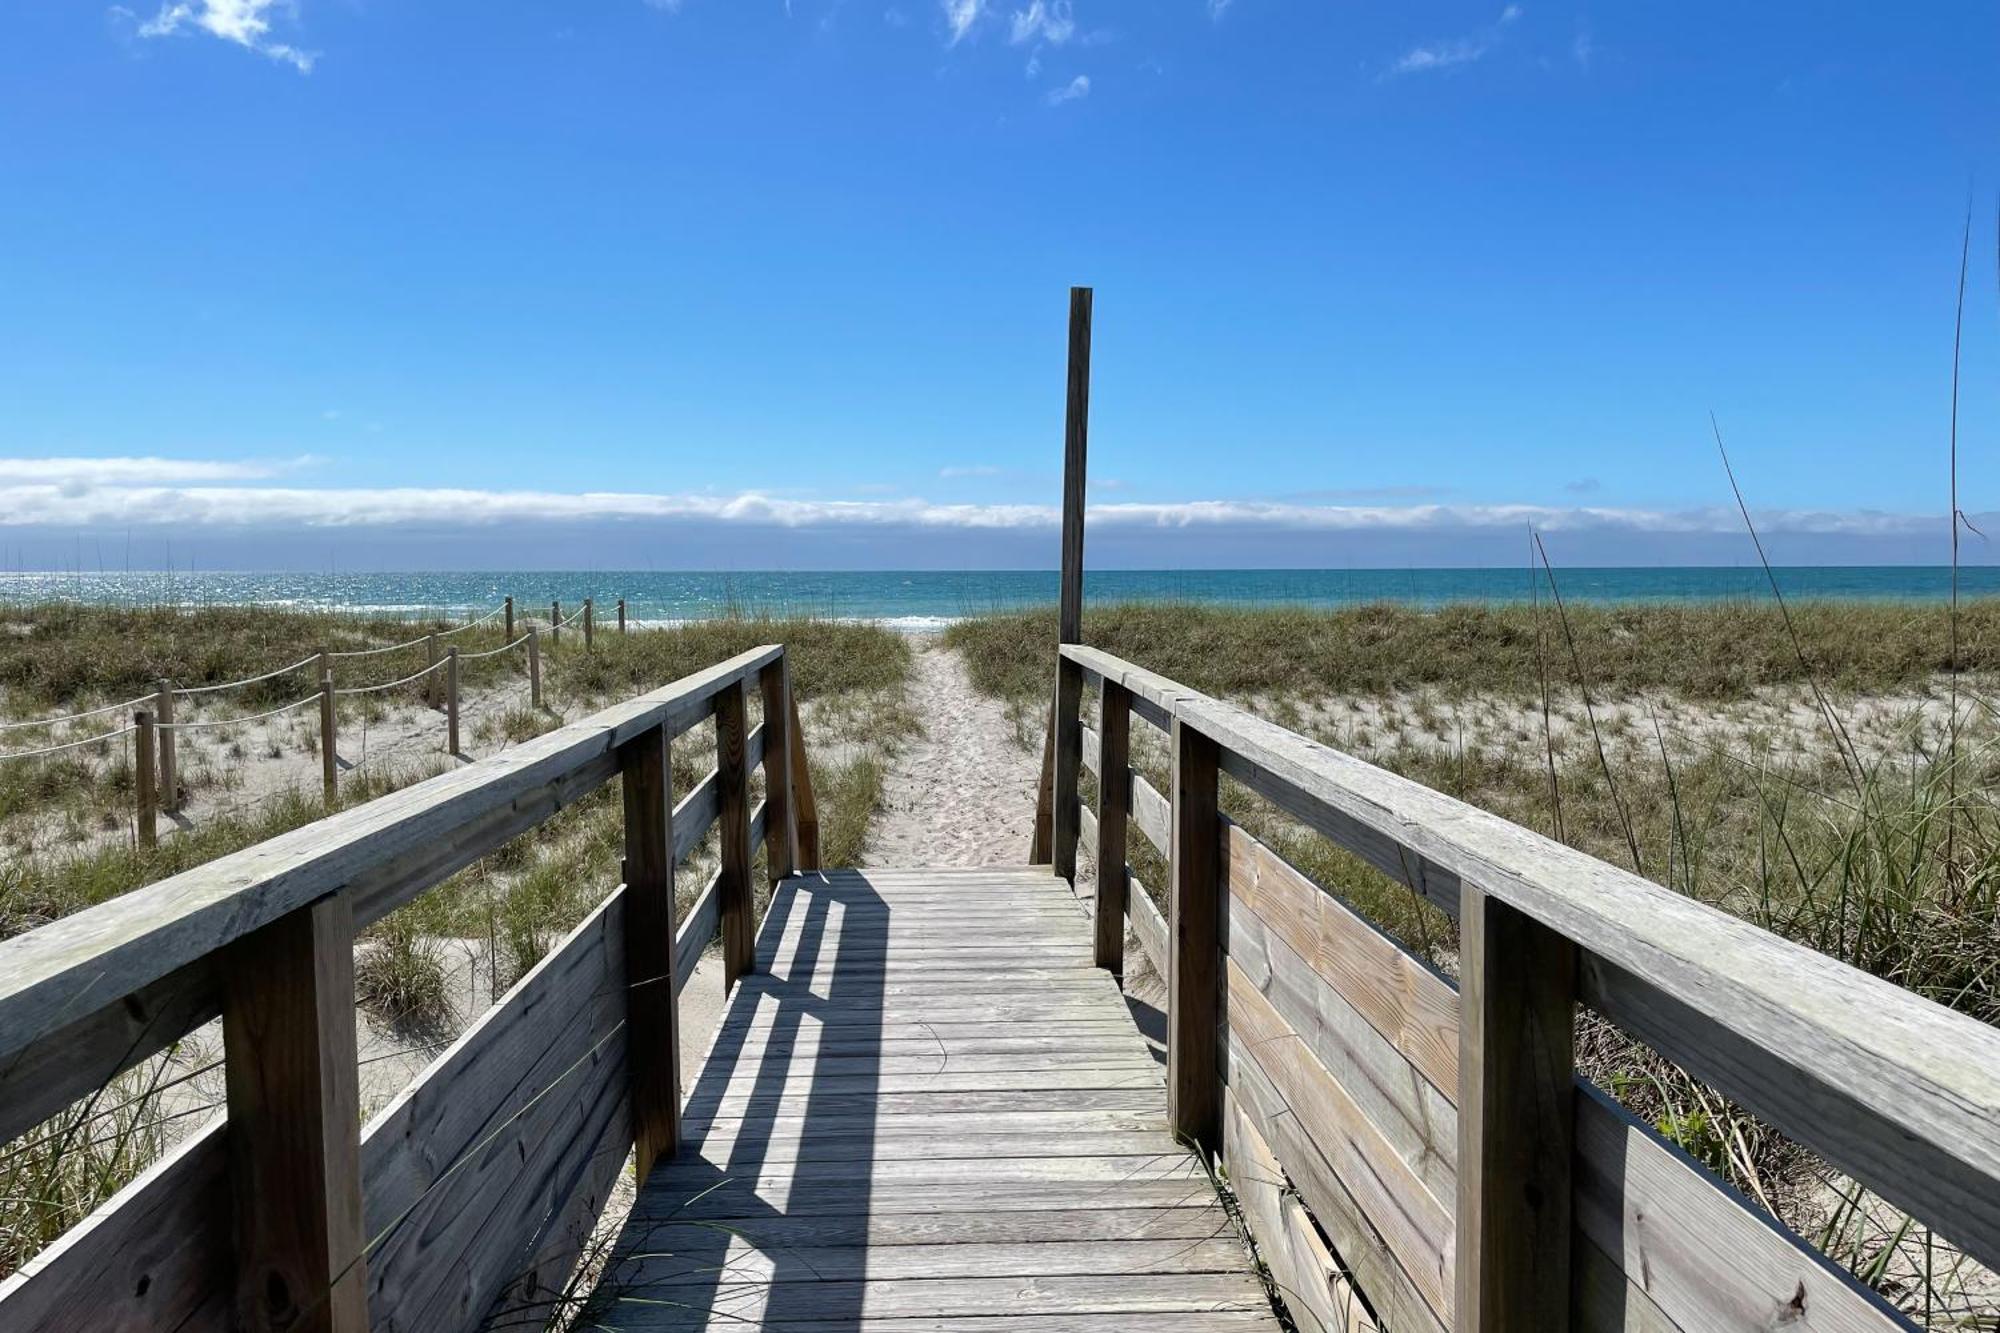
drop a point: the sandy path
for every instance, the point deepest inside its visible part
(963, 794)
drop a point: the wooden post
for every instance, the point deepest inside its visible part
(589, 632)
(451, 700)
(325, 664)
(431, 681)
(1194, 983)
(143, 761)
(329, 760)
(805, 810)
(295, 1123)
(1051, 807)
(170, 782)
(651, 1010)
(509, 636)
(1516, 1108)
(621, 615)
(779, 835)
(555, 625)
(534, 668)
(1114, 804)
(733, 777)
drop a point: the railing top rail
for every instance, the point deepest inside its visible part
(1862, 1052)
(67, 969)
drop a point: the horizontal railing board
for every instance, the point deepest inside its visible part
(1391, 1291)
(1413, 1222)
(1153, 695)
(1148, 926)
(97, 956)
(1153, 813)
(1899, 1092)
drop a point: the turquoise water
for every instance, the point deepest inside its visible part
(918, 599)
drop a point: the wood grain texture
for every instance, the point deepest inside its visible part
(1114, 808)
(1076, 456)
(294, 1142)
(733, 788)
(781, 840)
(1068, 764)
(652, 984)
(1194, 979)
(805, 809)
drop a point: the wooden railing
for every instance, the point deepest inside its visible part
(470, 1195)
(1435, 1136)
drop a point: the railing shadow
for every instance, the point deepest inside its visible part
(759, 1217)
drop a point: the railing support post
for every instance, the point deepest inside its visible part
(555, 625)
(295, 1123)
(1515, 1119)
(1068, 823)
(170, 782)
(589, 623)
(1194, 983)
(780, 856)
(329, 761)
(431, 681)
(147, 800)
(451, 700)
(652, 1009)
(1114, 805)
(733, 895)
(805, 810)
(621, 615)
(509, 636)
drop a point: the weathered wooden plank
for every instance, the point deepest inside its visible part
(1153, 814)
(805, 812)
(1068, 762)
(780, 849)
(1201, 1221)
(1148, 926)
(1194, 980)
(703, 919)
(1111, 748)
(734, 892)
(294, 1142)
(746, 1262)
(812, 1198)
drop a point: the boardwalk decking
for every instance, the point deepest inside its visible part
(928, 1110)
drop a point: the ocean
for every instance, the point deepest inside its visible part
(924, 599)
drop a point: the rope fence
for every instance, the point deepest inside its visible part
(213, 723)
(125, 730)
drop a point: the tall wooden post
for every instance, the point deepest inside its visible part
(144, 757)
(451, 700)
(1194, 982)
(1516, 1056)
(739, 949)
(779, 836)
(325, 664)
(621, 615)
(805, 810)
(651, 1009)
(170, 782)
(509, 636)
(555, 625)
(329, 739)
(295, 1123)
(1114, 805)
(431, 681)
(534, 668)
(1056, 823)
(589, 623)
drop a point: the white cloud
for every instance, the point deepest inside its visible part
(1076, 88)
(244, 22)
(1043, 21)
(960, 16)
(137, 492)
(1458, 51)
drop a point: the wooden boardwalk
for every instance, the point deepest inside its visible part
(928, 1110)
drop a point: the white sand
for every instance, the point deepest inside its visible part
(963, 794)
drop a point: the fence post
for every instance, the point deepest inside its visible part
(652, 1011)
(329, 765)
(295, 1123)
(733, 777)
(1067, 822)
(325, 664)
(1516, 1056)
(1194, 982)
(508, 637)
(780, 836)
(589, 623)
(170, 780)
(143, 761)
(1052, 809)
(805, 810)
(534, 668)
(621, 615)
(451, 700)
(1114, 804)
(555, 625)
(431, 681)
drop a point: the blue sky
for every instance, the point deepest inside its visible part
(744, 283)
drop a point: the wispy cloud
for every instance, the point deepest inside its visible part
(1048, 21)
(73, 476)
(246, 23)
(1217, 8)
(1457, 51)
(1078, 87)
(1583, 50)
(960, 17)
